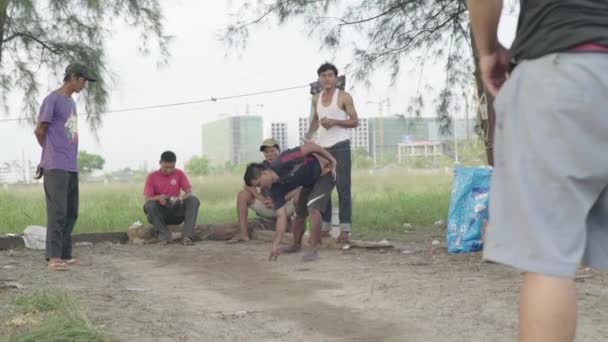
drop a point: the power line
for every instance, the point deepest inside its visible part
(211, 99)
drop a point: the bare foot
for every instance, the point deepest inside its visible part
(237, 239)
(290, 249)
(311, 256)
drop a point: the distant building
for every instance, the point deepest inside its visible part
(359, 137)
(385, 134)
(233, 140)
(303, 126)
(279, 133)
(418, 149)
(17, 172)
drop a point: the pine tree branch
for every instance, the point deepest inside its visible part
(31, 37)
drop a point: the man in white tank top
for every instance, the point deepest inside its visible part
(334, 115)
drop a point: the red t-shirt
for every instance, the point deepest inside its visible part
(170, 186)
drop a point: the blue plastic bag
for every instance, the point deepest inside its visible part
(468, 209)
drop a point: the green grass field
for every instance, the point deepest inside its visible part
(382, 203)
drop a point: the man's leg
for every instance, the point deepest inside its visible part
(343, 185)
(191, 206)
(299, 224)
(316, 221)
(326, 219)
(318, 198)
(157, 217)
(547, 309)
(244, 200)
(543, 188)
(56, 193)
(72, 216)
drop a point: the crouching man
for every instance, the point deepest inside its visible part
(310, 167)
(259, 201)
(165, 203)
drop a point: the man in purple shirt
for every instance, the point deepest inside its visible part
(57, 134)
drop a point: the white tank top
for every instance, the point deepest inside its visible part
(336, 134)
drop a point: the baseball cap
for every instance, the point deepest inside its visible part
(80, 70)
(269, 143)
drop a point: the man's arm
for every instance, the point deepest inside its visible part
(185, 186)
(493, 57)
(292, 194)
(255, 193)
(187, 193)
(314, 123)
(485, 15)
(349, 108)
(312, 148)
(149, 193)
(281, 226)
(40, 132)
(155, 198)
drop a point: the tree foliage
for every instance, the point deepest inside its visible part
(89, 162)
(49, 34)
(198, 166)
(381, 33)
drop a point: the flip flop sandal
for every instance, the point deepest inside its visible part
(236, 240)
(72, 262)
(58, 266)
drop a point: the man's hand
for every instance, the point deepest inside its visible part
(39, 172)
(268, 203)
(327, 123)
(330, 167)
(494, 68)
(174, 201)
(274, 253)
(40, 132)
(162, 200)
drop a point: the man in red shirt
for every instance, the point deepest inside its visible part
(165, 203)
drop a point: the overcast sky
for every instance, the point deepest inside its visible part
(199, 69)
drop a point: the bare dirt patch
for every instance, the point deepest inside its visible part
(215, 292)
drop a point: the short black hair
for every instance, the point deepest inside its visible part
(168, 157)
(327, 66)
(253, 172)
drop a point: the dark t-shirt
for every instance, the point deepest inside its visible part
(550, 26)
(294, 170)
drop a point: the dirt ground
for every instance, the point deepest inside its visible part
(215, 292)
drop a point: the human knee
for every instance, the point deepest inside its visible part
(312, 211)
(192, 201)
(151, 206)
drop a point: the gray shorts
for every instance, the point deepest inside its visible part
(548, 200)
(270, 213)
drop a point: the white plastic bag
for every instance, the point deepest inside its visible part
(34, 237)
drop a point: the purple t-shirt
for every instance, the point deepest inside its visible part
(60, 149)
